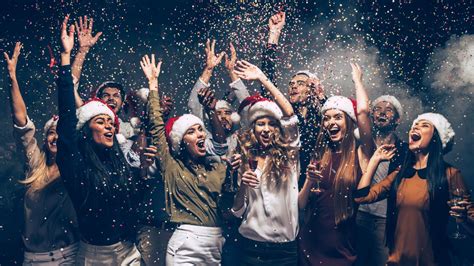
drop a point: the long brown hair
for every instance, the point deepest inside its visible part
(37, 176)
(283, 157)
(346, 174)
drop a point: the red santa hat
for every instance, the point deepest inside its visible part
(50, 123)
(342, 103)
(257, 106)
(442, 125)
(176, 127)
(222, 104)
(92, 108)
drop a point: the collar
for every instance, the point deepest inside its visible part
(411, 172)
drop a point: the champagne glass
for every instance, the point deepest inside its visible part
(316, 160)
(253, 161)
(456, 200)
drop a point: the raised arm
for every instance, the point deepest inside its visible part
(275, 26)
(247, 71)
(212, 60)
(16, 100)
(86, 41)
(237, 87)
(207, 99)
(363, 116)
(383, 153)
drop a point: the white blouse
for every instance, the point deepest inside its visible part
(270, 213)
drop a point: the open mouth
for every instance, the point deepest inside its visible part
(382, 119)
(109, 135)
(112, 105)
(53, 143)
(200, 144)
(334, 131)
(415, 136)
(265, 138)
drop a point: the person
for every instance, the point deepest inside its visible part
(192, 183)
(418, 194)
(51, 241)
(267, 197)
(97, 177)
(386, 115)
(327, 236)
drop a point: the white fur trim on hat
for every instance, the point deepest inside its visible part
(179, 128)
(307, 73)
(50, 123)
(143, 94)
(91, 109)
(390, 99)
(442, 125)
(341, 103)
(222, 104)
(264, 108)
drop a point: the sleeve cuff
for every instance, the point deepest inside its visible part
(204, 83)
(29, 125)
(235, 83)
(240, 212)
(362, 192)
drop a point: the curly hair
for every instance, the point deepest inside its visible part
(283, 157)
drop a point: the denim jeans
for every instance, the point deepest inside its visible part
(274, 254)
(370, 245)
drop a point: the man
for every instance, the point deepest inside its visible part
(371, 218)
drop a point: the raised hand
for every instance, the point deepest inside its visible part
(207, 99)
(277, 21)
(150, 68)
(385, 152)
(148, 156)
(166, 104)
(212, 60)
(316, 89)
(248, 71)
(356, 73)
(84, 33)
(67, 38)
(230, 62)
(13, 61)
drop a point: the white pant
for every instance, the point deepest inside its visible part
(195, 245)
(121, 253)
(62, 256)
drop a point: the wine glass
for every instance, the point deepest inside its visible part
(457, 198)
(316, 160)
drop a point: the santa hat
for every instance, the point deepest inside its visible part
(442, 125)
(93, 108)
(390, 99)
(108, 84)
(342, 103)
(222, 104)
(306, 73)
(258, 106)
(51, 122)
(176, 127)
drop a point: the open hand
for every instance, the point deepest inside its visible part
(13, 61)
(230, 62)
(207, 99)
(67, 38)
(385, 152)
(212, 60)
(150, 68)
(248, 71)
(356, 73)
(84, 33)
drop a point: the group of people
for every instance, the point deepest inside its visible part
(296, 179)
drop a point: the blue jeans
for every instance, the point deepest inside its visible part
(370, 245)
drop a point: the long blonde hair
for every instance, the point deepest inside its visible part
(346, 174)
(283, 157)
(37, 176)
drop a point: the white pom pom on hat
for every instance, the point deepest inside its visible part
(176, 127)
(442, 125)
(390, 99)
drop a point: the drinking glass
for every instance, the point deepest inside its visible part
(457, 198)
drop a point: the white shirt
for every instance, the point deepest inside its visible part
(271, 214)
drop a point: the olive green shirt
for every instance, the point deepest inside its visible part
(191, 191)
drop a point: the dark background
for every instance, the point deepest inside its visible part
(405, 48)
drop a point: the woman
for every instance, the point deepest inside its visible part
(267, 197)
(192, 183)
(52, 240)
(418, 194)
(327, 234)
(95, 173)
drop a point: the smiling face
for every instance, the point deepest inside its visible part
(224, 116)
(298, 89)
(264, 129)
(420, 136)
(112, 97)
(51, 139)
(102, 130)
(334, 123)
(194, 141)
(385, 116)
